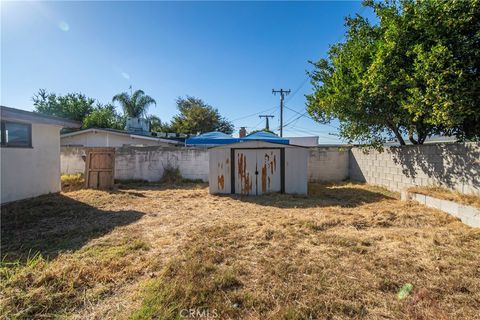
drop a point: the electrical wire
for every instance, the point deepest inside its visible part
(254, 114)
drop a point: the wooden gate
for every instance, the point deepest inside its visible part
(99, 168)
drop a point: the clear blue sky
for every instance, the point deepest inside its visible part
(229, 54)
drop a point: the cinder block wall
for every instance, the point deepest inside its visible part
(148, 163)
(328, 164)
(71, 160)
(455, 166)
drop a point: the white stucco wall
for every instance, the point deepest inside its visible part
(30, 172)
(106, 139)
(71, 160)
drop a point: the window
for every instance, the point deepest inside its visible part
(16, 134)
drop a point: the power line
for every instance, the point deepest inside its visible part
(254, 114)
(306, 116)
(300, 86)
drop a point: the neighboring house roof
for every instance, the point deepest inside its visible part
(265, 136)
(432, 139)
(7, 113)
(220, 138)
(211, 138)
(120, 132)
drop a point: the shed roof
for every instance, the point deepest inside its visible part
(256, 144)
(7, 113)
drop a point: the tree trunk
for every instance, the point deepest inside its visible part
(399, 137)
(412, 139)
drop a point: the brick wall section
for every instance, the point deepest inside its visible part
(328, 164)
(455, 166)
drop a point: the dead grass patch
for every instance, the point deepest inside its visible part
(445, 194)
(72, 182)
(274, 257)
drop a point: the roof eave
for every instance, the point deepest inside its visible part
(7, 113)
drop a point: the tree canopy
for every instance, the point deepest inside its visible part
(134, 105)
(74, 106)
(414, 74)
(196, 116)
(104, 117)
(78, 107)
(157, 125)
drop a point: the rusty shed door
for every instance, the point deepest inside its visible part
(245, 168)
(257, 171)
(268, 163)
(99, 168)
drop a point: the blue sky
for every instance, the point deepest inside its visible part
(229, 54)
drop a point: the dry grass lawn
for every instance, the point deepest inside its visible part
(149, 252)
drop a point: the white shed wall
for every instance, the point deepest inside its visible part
(30, 172)
(296, 175)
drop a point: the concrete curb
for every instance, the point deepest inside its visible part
(467, 214)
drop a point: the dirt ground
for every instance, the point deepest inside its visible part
(347, 251)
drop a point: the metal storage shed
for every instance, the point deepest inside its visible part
(257, 167)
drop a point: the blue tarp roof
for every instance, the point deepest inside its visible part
(211, 138)
(219, 138)
(265, 136)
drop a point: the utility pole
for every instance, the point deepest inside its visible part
(266, 116)
(283, 93)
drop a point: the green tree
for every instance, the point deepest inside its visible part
(412, 75)
(197, 116)
(104, 117)
(74, 106)
(156, 125)
(134, 105)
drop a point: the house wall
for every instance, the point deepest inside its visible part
(328, 164)
(29, 172)
(106, 139)
(303, 141)
(455, 166)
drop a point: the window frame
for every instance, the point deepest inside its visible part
(4, 143)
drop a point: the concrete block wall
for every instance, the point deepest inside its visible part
(328, 164)
(148, 163)
(71, 160)
(467, 214)
(455, 166)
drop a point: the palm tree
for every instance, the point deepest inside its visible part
(134, 105)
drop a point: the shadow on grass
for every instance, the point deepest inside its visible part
(53, 223)
(321, 195)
